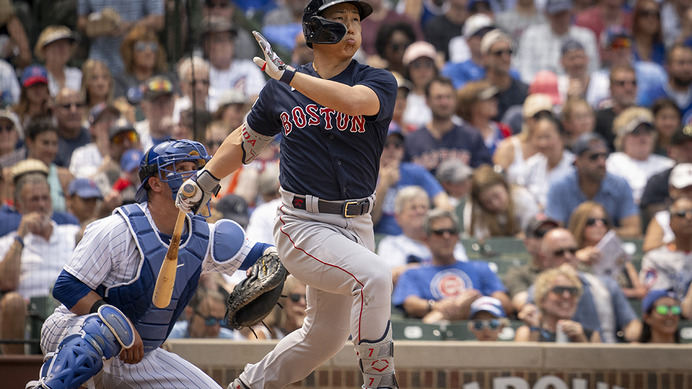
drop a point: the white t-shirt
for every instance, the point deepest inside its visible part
(637, 172)
(85, 161)
(396, 250)
(537, 177)
(243, 74)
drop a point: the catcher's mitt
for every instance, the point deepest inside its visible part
(253, 299)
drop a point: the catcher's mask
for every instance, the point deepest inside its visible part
(322, 31)
(161, 160)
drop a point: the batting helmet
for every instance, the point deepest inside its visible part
(162, 158)
(320, 30)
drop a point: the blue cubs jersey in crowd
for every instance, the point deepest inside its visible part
(461, 142)
(326, 153)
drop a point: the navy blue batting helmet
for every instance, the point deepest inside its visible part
(322, 31)
(161, 160)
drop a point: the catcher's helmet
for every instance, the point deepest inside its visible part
(161, 160)
(320, 30)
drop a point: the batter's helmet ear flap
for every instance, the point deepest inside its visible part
(322, 31)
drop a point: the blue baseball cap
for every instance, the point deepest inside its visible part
(653, 295)
(34, 74)
(84, 188)
(130, 159)
(487, 304)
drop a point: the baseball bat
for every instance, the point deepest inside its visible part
(163, 290)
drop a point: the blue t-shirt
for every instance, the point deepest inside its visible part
(464, 72)
(460, 142)
(326, 153)
(180, 331)
(614, 194)
(438, 282)
(10, 219)
(409, 174)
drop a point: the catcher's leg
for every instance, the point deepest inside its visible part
(376, 361)
(79, 356)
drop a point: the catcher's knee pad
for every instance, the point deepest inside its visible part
(80, 356)
(376, 360)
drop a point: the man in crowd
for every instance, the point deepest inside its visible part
(69, 111)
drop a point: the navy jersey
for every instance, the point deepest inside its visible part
(326, 153)
(460, 142)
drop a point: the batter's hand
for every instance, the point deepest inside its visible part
(135, 353)
(204, 186)
(274, 66)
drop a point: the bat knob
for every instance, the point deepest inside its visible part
(189, 190)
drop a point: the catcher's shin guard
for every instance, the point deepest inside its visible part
(376, 360)
(80, 356)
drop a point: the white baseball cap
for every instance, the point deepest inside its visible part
(475, 23)
(681, 176)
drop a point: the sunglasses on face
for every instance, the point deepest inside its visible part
(666, 309)
(621, 43)
(625, 82)
(682, 213)
(121, 137)
(442, 231)
(70, 105)
(563, 252)
(295, 297)
(500, 53)
(650, 13)
(423, 64)
(200, 81)
(394, 142)
(160, 86)
(560, 290)
(592, 220)
(491, 324)
(211, 321)
(596, 156)
(142, 46)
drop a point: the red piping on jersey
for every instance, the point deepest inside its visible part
(362, 287)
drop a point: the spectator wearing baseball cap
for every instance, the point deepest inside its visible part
(126, 185)
(158, 103)
(658, 231)
(539, 47)
(420, 66)
(487, 319)
(55, 46)
(497, 48)
(591, 181)
(577, 81)
(87, 159)
(477, 105)
(11, 134)
(600, 16)
(634, 159)
(661, 315)
(34, 82)
(467, 65)
(82, 198)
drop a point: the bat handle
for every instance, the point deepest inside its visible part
(189, 190)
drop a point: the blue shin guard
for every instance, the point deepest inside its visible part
(80, 356)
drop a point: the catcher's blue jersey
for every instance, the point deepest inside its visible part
(326, 153)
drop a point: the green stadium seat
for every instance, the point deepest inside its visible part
(413, 329)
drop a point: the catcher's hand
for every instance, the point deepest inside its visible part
(274, 66)
(253, 298)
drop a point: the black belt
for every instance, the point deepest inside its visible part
(346, 208)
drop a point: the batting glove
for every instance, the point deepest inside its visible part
(204, 185)
(272, 64)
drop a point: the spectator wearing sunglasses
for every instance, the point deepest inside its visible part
(658, 232)
(634, 159)
(446, 289)
(158, 103)
(603, 306)
(558, 292)
(487, 319)
(283, 321)
(661, 317)
(670, 266)
(123, 137)
(589, 224)
(68, 112)
(144, 57)
(206, 317)
(591, 181)
(194, 90)
(518, 279)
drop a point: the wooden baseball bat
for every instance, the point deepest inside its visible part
(163, 290)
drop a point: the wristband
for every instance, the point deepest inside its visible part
(431, 305)
(95, 308)
(19, 239)
(287, 77)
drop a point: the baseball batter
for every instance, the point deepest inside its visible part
(333, 114)
(106, 287)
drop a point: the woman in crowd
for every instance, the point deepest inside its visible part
(55, 46)
(577, 118)
(42, 144)
(477, 105)
(34, 99)
(391, 42)
(667, 119)
(143, 56)
(97, 83)
(550, 163)
(557, 292)
(420, 67)
(648, 43)
(589, 223)
(634, 159)
(282, 322)
(496, 207)
(660, 317)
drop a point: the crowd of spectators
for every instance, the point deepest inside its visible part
(563, 124)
